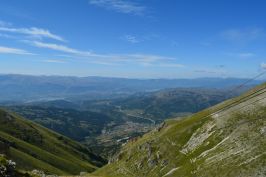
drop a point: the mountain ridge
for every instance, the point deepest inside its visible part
(225, 140)
(34, 88)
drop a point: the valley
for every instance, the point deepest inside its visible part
(104, 125)
(132, 88)
(137, 134)
(216, 139)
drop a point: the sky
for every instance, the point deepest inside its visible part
(133, 38)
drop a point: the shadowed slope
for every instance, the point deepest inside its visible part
(32, 146)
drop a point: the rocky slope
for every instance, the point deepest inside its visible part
(225, 140)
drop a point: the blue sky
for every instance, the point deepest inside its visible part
(133, 38)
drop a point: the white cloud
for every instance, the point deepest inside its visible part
(88, 56)
(33, 32)
(132, 39)
(60, 48)
(105, 58)
(122, 6)
(144, 58)
(8, 50)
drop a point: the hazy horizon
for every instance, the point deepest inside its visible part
(120, 77)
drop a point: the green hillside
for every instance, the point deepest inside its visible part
(225, 140)
(32, 146)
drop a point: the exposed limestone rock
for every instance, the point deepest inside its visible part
(198, 137)
(7, 168)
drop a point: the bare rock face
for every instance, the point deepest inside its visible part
(38, 173)
(7, 168)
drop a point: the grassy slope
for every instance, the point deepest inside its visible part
(35, 147)
(225, 140)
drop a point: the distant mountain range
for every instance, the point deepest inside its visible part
(17, 88)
